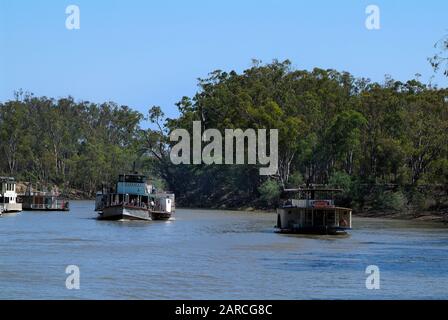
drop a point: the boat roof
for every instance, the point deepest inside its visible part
(131, 177)
(131, 174)
(7, 179)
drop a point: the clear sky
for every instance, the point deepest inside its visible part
(143, 53)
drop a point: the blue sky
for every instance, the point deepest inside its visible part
(143, 53)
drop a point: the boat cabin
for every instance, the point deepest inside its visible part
(8, 195)
(35, 200)
(312, 210)
(133, 184)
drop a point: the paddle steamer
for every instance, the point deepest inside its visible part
(34, 200)
(8, 196)
(133, 198)
(312, 211)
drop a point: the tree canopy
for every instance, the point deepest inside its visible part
(372, 139)
(331, 125)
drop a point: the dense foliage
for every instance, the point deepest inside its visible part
(69, 144)
(384, 144)
(440, 59)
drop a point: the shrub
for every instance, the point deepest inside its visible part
(341, 180)
(295, 180)
(395, 201)
(269, 192)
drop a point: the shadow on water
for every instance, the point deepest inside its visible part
(316, 236)
(10, 215)
(130, 223)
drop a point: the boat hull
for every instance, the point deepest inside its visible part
(125, 213)
(161, 216)
(129, 213)
(10, 207)
(315, 231)
(317, 221)
(46, 210)
(28, 207)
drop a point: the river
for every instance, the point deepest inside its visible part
(208, 254)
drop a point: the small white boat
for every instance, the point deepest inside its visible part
(8, 196)
(134, 199)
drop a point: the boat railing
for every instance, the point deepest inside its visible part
(57, 204)
(296, 203)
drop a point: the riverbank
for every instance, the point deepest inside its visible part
(428, 216)
(69, 193)
(424, 216)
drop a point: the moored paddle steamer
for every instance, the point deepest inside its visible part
(8, 196)
(35, 200)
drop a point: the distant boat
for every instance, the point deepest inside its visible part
(312, 211)
(43, 201)
(134, 199)
(8, 196)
